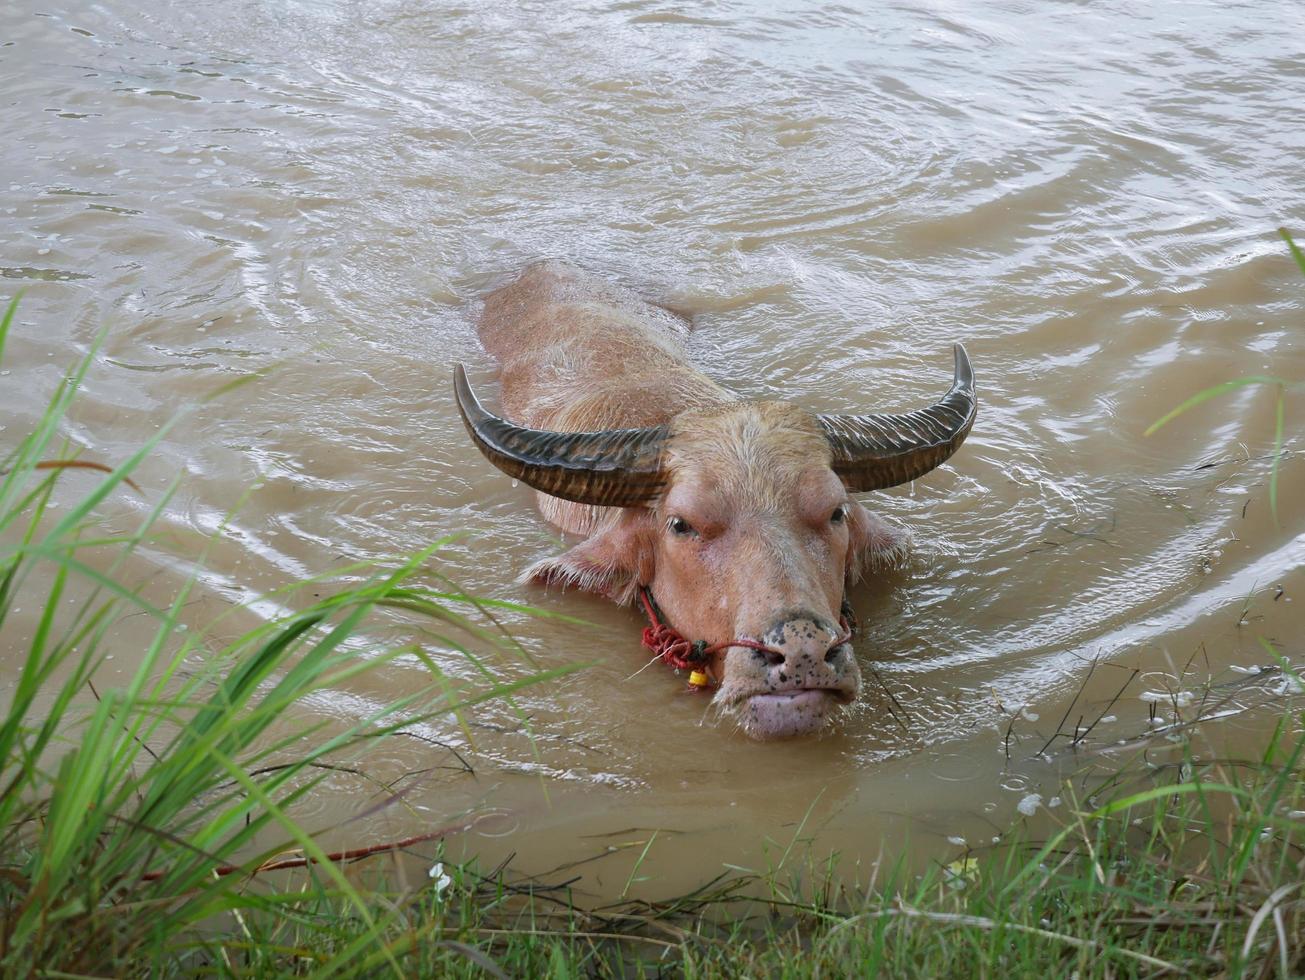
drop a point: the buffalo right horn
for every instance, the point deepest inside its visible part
(612, 468)
(872, 452)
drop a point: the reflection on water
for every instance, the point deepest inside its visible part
(1084, 196)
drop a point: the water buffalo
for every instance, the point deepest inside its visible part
(736, 516)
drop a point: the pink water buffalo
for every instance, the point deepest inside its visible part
(735, 515)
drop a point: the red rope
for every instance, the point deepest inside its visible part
(668, 644)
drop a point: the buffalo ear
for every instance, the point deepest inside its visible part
(613, 561)
(874, 544)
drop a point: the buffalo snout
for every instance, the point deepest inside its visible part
(807, 652)
(798, 683)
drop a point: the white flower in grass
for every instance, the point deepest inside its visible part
(437, 875)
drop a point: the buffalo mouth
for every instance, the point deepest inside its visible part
(784, 714)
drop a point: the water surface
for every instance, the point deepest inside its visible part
(1085, 195)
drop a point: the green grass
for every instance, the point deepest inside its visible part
(1199, 873)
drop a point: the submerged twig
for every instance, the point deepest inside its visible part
(80, 464)
(1106, 711)
(895, 703)
(353, 854)
(1077, 694)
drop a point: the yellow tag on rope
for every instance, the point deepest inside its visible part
(698, 679)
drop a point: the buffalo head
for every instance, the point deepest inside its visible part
(739, 519)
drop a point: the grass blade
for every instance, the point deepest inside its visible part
(7, 320)
(1212, 392)
(1296, 253)
(1277, 457)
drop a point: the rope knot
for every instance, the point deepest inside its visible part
(674, 649)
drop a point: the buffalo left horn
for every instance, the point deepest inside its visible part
(872, 452)
(612, 468)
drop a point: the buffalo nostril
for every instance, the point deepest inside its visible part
(770, 657)
(834, 652)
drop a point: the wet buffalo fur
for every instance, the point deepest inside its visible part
(753, 529)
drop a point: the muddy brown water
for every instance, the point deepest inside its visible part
(1084, 195)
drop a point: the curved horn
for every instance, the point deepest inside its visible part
(613, 468)
(872, 452)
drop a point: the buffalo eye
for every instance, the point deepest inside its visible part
(679, 526)
(839, 515)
